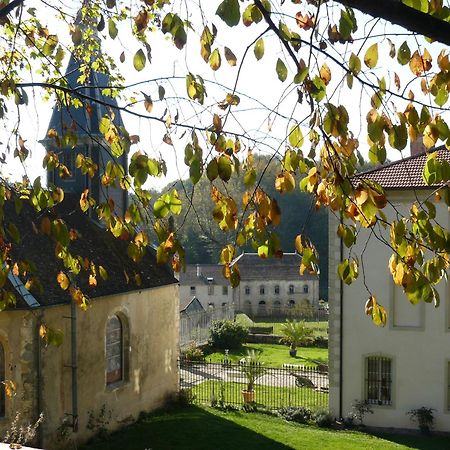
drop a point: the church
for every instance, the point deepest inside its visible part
(116, 358)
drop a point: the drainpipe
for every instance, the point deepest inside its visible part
(39, 402)
(73, 335)
(341, 323)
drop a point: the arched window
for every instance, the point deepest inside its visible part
(291, 289)
(2, 386)
(114, 351)
(277, 289)
(291, 303)
(305, 288)
(262, 303)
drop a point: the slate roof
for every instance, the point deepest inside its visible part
(94, 243)
(214, 271)
(405, 173)
(252, 267)
(87, 124)
(190, 305)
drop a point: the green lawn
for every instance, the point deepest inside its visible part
(205, 429)
(320, 328)
(267, 396)
(274, 355)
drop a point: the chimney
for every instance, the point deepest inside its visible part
(199, 271)
(417, 147)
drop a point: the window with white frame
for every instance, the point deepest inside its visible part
(378, 382)
(247, 290)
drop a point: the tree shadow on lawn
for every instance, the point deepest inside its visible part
(186, 429)
(417, 441)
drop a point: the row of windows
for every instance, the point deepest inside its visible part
(276, 290)
(210, 290)
(262, 289)
(275, 304)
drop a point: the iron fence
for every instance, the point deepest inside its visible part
(194, 326)
(292, 385)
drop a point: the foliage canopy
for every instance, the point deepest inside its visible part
(323, 54)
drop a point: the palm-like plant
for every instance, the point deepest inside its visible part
(252, 368)
(295, 334)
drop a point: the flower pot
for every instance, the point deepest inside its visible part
(293, 352)
(248, 396)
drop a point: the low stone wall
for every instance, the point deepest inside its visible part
(274, 339)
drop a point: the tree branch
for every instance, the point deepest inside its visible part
(395, 12)
(9, 7)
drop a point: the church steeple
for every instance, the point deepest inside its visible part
(77, 132)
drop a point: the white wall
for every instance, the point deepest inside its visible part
(417, 338)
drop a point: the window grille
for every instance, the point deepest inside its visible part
(378, 380)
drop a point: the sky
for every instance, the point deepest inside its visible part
(255, 116)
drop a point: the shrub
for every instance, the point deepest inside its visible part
(322, 418)
(359, 409)
(299, 415)
(193, 353)
(227, 334)
(186, 397)
(425, 418)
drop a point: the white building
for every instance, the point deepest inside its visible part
(269, 287)
(405, 365)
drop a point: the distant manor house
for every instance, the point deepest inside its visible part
(268, 287)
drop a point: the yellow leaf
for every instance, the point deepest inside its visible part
(325, 74)
(63, 280)
(371, 56)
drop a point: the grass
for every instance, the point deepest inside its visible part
(230, 393)
(205, 429)
(274, 355)
(320, 328)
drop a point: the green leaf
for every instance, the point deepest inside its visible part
(441, 97)
(139, 60)
(258, 49)
(225, 168)
(250, 177)
(229, 12)
(301, 75)
(212, 170)
(296, 136)
(354, 64)
(420, 5)
(347, 23)
(112, 29)
(281, 70)
(371, 56)
(404, 54)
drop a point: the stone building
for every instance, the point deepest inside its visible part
(119, 357)
(406, 364)
(268, 287)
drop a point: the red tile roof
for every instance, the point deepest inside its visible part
(403, 174)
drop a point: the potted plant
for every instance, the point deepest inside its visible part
(295, 334)
(252, 368)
